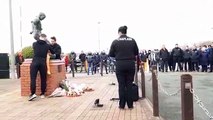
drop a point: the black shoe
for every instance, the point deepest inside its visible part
(97, 104)
(131, 107)
(96, 101)
(121, 107)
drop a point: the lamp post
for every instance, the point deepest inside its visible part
(12, 56)
(20, 8)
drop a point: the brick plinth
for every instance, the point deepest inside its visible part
(58, 74)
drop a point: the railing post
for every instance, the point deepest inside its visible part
(143, 89)
(155, 91)
(186, 97)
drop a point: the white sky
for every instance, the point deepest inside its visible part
(75, 22)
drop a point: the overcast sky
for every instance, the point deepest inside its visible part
(75, 22)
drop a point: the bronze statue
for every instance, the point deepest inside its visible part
(36, 25)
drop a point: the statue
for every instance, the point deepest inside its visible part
(36, 31)
(36, 25)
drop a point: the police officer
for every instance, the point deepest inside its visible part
(125, 50)
(104, 58)
(177, 55)
(40, 49)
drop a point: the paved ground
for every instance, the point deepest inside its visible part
(170, 107)
(15, 107)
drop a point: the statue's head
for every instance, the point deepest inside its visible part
(41, 16)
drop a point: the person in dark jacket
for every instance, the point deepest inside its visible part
(143, 56)
(19, 59)
(82, 57)
(195, 60)
(203, 59)
(72, 61)
(90, 60)
(96, 62)
(187, 59)
(177, 55)
(125, 50)
(210, 54)
(103, 58)
(164, 57)
(56, 47)
(40, 50)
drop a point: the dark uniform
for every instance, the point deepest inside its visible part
(125, 50)
(177, 54)
(104, 58)
(40, 50)
(164, 56)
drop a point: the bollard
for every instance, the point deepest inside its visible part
(143, 89)
(155, 91)
(186, 97)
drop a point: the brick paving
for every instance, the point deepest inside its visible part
(13, 106)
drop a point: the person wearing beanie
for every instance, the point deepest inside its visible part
(124, 49)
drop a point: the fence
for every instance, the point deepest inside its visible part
(186, 90)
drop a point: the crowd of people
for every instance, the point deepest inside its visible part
(90, 62)
(186, 59)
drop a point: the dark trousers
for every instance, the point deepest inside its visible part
(90, 68)
(170, 64)
(125, 71)
(103, 65)
(177, 60)
(164, 65)
(83, 64)
(95, 67)
(73, 66)
(187, 61)
(211, 66)
(38, 65)
(204, 68)
(195, 66)
(18, 70)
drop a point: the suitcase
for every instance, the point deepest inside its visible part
(135, 94)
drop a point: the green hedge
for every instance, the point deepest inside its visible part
(27, 52)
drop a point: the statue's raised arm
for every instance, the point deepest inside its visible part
(36, 25)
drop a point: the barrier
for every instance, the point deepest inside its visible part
(187, 95)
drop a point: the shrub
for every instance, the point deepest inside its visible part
(27, 52)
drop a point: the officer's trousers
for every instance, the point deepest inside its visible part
(38, 65)
(125, 70)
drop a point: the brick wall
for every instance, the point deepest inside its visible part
(58, 74)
